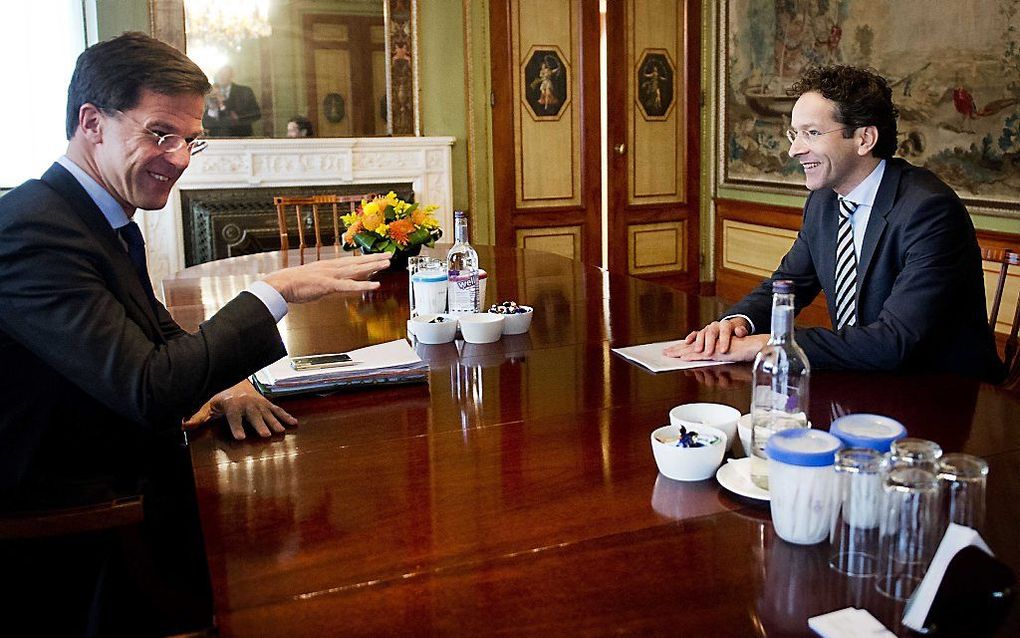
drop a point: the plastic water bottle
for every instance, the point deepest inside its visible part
(464, 288)
(779, 400)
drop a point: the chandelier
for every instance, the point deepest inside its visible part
(226, 23)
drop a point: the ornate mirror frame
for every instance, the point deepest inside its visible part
(166, 22)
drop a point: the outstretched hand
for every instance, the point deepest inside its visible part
(240, 404)
(301, 284)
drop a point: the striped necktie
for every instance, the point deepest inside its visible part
(846, 267)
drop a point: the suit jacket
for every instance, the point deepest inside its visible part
(920, 289)
(91, 371)
(242, 102)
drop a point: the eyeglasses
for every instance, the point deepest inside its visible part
(171, 142)
(809, 136)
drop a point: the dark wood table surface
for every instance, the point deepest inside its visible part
(516, 493)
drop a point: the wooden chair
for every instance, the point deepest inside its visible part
(349, 202)
(1005, 258)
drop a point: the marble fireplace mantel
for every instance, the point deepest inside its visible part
(250, 163)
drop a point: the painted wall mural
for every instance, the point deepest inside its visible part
(954, 68)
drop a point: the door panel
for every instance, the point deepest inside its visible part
(545, 115)
(653, 68)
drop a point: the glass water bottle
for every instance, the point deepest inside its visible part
(779, 400)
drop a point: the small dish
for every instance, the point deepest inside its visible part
(688, 463)
(519, 322)
(433, 329)
(694, 415)
(744, 432)
(480, 327)
(735, 476)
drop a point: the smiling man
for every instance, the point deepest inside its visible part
(97, 377)
(890, 245)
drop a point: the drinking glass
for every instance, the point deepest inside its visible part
(962, 479)
(854, 532)
(415, 264)
(907, 528)
(916, 453)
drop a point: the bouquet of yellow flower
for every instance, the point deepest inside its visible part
(389, 224)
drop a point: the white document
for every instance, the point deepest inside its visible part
(849, 623)
(650, 356)
(392, 354)
(957, 537)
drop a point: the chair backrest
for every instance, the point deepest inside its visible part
(1005, 257)
(333, 203)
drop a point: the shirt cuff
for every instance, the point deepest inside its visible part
(268, 295)
(744, 317)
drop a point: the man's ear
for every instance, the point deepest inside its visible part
(90, 123)
(867, 138)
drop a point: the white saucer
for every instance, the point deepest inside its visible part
(735, 476)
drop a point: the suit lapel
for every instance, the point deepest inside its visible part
(826, 260)
(60, 180)
(877, 222)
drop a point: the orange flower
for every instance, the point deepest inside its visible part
(353, 230)
(418, 217)
(400, 229)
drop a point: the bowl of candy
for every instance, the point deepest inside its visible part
(684, 454)
(517, 319)
(433, 329)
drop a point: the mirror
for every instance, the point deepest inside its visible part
(300, 68)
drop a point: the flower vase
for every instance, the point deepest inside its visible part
(400, 257)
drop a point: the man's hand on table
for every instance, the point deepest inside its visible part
(300, 284)
(723, 340)
(243, 403)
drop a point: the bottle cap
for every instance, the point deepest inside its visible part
(782, 287)
(871, 431)
(803, 446)
(459, 213)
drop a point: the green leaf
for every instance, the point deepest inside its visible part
(390, 214)
(419, 236)
(366, 242)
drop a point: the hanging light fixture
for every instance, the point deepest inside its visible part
(226, 23)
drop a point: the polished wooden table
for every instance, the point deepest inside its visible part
(516, 493)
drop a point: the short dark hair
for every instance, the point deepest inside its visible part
(110, 75)
(303, 124)
(862, 97)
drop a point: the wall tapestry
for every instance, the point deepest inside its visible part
(954, 68)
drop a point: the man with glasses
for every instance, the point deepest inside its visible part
(890, 245)
(97, 377)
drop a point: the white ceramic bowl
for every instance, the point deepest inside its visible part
(480, 327)
(744, 432)
(433, 333)
(688, 463)
(518, 323)
(744, 424)
(717, 415)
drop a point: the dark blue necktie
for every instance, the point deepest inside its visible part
(132, 236)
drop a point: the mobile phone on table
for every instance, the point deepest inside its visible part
(314, 361)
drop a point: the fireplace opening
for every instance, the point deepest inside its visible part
(222, 223)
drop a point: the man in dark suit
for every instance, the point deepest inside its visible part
(230, 108)
(890, 244)
(97, 377)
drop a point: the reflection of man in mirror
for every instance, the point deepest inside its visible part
(230, 108)
(299, 126)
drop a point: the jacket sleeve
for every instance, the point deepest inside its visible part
(934, 264)
(57, 299)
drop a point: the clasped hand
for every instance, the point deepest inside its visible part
(723, 340)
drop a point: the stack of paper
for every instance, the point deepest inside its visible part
(392, 362)
(650, 356)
